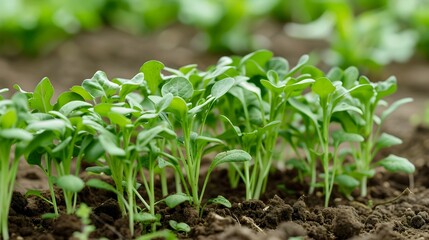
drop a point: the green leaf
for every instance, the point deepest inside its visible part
(363, 92)
(341, 137)
(49, 216)
(298, 164)
(103, 108)
(301, 62)
(82, 92)
(279, 65)
(232, 156)
(178, 107)
(173, 200)
(254, 63)
(335, 74)
(3, 90)
(304, 109)
(203, 140)
(344, 106)
(221, 87)
(178, 86)
(65, 143)
(152, 73)
(272, 87)
(394, 106)
(99, 169)
(93, 151)
(16, 133)
(394, 163)
(161, 234)
(180, 227)
(100, 86)
(146, 136)
(69, 107)
(387, 140)
(346, 181)
(67, 97)
(128, 86)
(52, 125)
(313, 71)
(9, 118)
(351, 75)
(200, 107)
(323, 87)
(42, 139)
(110, 146)
(220, 200)
(41, 100)
(386, 88)
(37, 193)
(164, 102)
(145, 218)
(97, 183)
(298, 87)
(119, 119)
(35, 157)
(70, 183)
(123, 110)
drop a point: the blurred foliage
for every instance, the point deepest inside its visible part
(35, 26)
(365, 33)
(370, 38)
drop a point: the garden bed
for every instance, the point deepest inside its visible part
(279, 213)
(284, 211)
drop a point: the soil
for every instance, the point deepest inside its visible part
(281, 213)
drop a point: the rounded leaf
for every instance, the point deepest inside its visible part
(69, 107)
(387, 140)
(70, 183)
(176, 199)
(97, 183)
(16, 133)
(178, 86)
(221, 87)
(323, 87)
(394, 163)
(180, 227)
(52, 124)
(220, 200)
(231, 156)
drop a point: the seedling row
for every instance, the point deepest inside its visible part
(246, 114)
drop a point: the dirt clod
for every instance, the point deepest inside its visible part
(300, 211)
(65, 226)
(19, 203)
(277, 212)
(287, 230)
(346, 223)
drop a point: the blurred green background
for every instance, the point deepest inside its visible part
(365, 33)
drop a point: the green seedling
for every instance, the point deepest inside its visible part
(260, 103)
(245, 113)
(84, 213)
(57, 130)
(368, 124)
(179, 227)
(191, 117)
(14, 139)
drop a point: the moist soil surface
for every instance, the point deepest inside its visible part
(389, 212)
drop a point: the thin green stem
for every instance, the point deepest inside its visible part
(5, 193)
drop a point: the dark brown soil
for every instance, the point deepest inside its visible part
(280, 214)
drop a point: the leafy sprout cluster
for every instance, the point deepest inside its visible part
(245, 113)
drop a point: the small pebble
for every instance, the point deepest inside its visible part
(417, 221)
